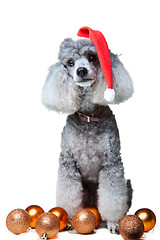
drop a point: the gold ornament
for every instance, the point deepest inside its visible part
(131, 227)
(96, 213)
(148, 218)
(18, 221)
(47, 224)
(84, 221)
(62, 215)
(34, 211)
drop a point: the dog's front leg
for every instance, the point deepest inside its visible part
(69, 186)
(112, 195)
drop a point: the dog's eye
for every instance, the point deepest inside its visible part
(92, 58)
(70, 62)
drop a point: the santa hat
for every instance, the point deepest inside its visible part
(104, 58)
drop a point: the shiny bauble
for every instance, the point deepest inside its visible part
(18, 221)
(34, 211)
(62, 215)
(47, 223)
(96, 213)
(84, 221)
(148, 218)
(131, 227)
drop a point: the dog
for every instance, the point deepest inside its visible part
(90, 168)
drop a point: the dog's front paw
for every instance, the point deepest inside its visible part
(113, 227)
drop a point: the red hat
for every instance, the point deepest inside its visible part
(104, 57)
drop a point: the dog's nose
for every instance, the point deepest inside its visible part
(82, 71)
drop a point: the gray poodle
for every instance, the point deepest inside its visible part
(90, 168)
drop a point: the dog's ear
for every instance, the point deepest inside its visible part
(57, 93)
(122, 82)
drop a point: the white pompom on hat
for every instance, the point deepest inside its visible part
(104, 58)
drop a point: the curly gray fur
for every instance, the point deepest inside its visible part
(90, 167)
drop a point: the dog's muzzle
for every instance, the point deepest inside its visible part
(84, 79)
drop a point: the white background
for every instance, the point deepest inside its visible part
(30, 34)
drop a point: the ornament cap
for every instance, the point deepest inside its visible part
(109, 95)
(44, 237)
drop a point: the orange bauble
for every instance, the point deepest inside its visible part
(34, 212)
(148, 218)
(62, 215)
(84, 221)
(18, 221)
(47, 224)
(96, 213)
(131, 227)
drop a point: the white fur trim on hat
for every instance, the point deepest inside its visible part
(109, 95)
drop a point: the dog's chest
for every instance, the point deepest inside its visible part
(89, 155)
(87, 149)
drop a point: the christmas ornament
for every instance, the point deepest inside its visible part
(131, 227)
(104, 58)
(47, 225)
(148, 218)
(96, 213)
(18, 221)
(84, 221)
(34, 211)
(62, 215)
